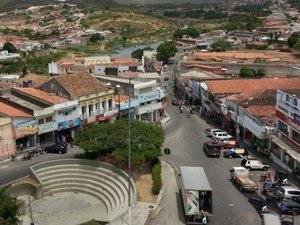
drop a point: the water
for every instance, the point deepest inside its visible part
(124, 52)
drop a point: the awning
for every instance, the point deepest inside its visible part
(285, 147)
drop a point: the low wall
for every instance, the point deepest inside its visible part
(271, 69)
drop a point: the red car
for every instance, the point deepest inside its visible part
(228, 144)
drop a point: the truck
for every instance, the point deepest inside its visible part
(196, 194)
(241, 177)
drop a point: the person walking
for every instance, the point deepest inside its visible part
(21, 146)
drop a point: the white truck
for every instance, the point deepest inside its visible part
(196, 195)
(241, 177)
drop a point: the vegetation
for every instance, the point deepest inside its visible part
(138, 53)
(220, 45)
(293, 39)
(251, 73)
(9, 47)
(212, 13)
(95, 38)
(242, 22)
(8, 209)
(165, 51)
(190, 31)
(257, 9)
(110, 138)
(295, 3)
(156, 178)
(91, 222)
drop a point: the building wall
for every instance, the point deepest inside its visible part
(52, 86)
(7, 140)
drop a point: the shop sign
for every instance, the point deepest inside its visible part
(149, 96)
(107, 115)
(293, 123)
(69, 124)
(26, 128)
(47, 127)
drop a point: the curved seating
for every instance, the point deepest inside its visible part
(100, 180)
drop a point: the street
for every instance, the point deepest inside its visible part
(11, 171)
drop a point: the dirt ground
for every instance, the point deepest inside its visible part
(142, 177)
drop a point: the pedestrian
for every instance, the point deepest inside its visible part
(282, 205)
(21, 146)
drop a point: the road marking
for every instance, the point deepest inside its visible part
(231, 205)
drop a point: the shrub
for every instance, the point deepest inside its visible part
(156, 178)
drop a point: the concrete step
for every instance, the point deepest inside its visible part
(118, 200)
(82, 190)
(110, 202)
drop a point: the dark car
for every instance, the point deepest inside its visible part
(235, 153)
(212, 149)
(175, 102)
(290, 206)
(258, 203)
(56, 148)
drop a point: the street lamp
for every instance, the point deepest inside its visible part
(129, 152)
(118, 92)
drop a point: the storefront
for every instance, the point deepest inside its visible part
(26, 134)
(46, 133)
(66, 130)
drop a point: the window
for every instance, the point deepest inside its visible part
(295, 102)
(49, 119)
(83, 110)
(97, 106)
(287, 98)
(90, 110)
(41, 121)
(282, 127)
(295, 136)
(110, 104)
(103, 105)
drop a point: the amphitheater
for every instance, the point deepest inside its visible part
(73, 191)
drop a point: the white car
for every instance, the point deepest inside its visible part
(209, 132)
(221, 135)
(254, 164)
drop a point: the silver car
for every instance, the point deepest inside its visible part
(210, 132)
(288, 191)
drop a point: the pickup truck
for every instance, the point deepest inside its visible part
(241, 177)
(254, 164)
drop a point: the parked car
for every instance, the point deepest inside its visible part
(56, 148)
(288, 191)
(221, 135)
(258, 203)
(235, 153)
(254, 164)
(175, 102)
(291, 206)
(209, 132)
(212, 149)
(227, 144)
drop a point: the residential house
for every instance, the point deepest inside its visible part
(285, 144)
(95, 99)
(7, 137)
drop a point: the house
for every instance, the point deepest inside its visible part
(95, 99)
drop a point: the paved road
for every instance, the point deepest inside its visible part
(185, 138)
(11, 171)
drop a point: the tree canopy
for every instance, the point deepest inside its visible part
(138, 53)
(293, 40)
(220, 45)
(96, 37)
(165, 51)
(190, 31)
(248, 72)
(9, 47)
(8, 209)
(112, 138)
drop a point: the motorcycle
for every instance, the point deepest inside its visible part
(27, 157)
(181, 110)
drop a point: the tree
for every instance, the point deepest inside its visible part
(8, 209)
(297, 45)
(9, 47)
(165, 51)
(96, 37)
(138, 53)
(246, 72)
(260, 72)
(112, 138)
(293, 39)
(220, 45)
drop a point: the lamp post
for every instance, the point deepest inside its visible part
(129, 152)
(118, 90)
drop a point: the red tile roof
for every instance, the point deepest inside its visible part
(80, 84)
(37, 80)
(265, 113)
(242, 85)
(10, 111)
(42, 95)
(121, 98)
